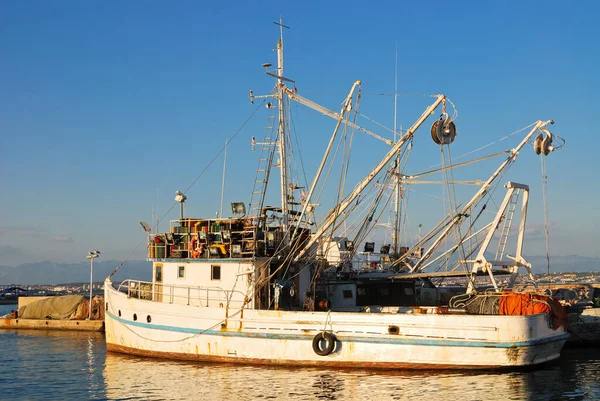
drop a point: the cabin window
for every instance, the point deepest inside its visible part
(347, 294)
(215, 272)
(180, 271)
(158, 273)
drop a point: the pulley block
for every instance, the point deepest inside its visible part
(443, 132)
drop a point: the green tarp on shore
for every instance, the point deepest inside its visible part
(51, 308)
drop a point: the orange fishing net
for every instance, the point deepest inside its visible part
(528, 303)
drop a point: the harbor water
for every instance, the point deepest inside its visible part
(45, 365)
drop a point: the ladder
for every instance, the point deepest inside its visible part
(263, 171)
(508, 218)
(504, 264)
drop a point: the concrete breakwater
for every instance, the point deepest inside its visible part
(70, 312)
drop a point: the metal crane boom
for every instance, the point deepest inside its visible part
(338, 209)
(330, 113)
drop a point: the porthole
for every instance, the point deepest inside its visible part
(148, 319)
(107, 306)
(393, 330)
(119, 312)
(134, 317)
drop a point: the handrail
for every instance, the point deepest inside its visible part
(181, 294)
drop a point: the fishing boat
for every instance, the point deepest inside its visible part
(10, 295)
(246, 288)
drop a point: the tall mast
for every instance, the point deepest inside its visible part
(395, 229)
(223, 182)
(281, 130)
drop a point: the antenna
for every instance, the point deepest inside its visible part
(395, 90)
(146, 227)
(281, 26)
(223, 183)
(279, 74)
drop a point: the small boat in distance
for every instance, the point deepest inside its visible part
(249, 288)
(10, 295)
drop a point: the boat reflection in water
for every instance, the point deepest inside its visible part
(130, 377)
(54, 365)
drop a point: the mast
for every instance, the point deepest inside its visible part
(395, 229)
(223, 181)
(281, 130)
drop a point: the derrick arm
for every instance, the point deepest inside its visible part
(345, 108)
(331, 216)
(482, 191)
(308, 103)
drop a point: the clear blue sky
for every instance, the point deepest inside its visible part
(107, 108)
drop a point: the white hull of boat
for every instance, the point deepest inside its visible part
(377, 340)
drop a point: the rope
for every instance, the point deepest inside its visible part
(482, 304)
(372, 93)
(545, 200)
(488, 145)
(328, 320)
(293, 130)
(199, 333)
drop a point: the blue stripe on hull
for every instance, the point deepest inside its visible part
(374, 340)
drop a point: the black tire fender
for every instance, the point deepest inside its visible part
(324, 337)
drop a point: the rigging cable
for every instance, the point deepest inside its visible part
(345, 162)
(458, 232)
(488, 145)
(145, 238)
(293, 130)
(545, 200)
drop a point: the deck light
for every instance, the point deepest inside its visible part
(238, 208)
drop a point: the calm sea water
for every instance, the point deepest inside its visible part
(39, 365)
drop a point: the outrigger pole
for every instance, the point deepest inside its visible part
(457, 219)
(341, 208)
(345, 108)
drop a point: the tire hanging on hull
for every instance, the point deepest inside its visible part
(324, 337)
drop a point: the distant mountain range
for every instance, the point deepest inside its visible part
(55, 273)
(564, 263)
